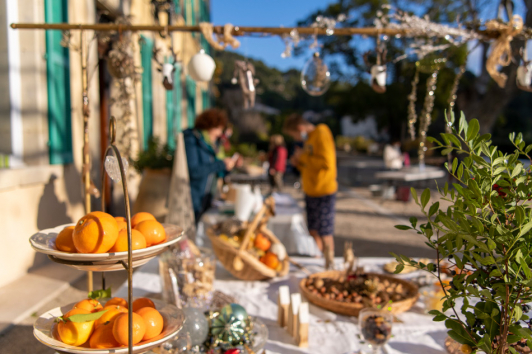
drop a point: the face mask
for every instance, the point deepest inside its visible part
(304, 135)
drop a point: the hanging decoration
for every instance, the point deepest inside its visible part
(315, 76)
(220, 43)
(428, 105)
(244, 73)
(201, 66)
(452, 95)
(290, 41)
(524, 71)
(167, 69)
(329, 23)
(164, 6)
(378, 71)
(501, 50)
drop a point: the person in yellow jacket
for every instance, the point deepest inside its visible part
(317, 164)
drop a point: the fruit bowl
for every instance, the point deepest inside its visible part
(173, 322)
(44, 242)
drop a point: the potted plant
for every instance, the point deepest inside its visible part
(485, 233)
(155, 164)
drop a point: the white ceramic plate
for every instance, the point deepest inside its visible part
(44, 242)
(173, 322)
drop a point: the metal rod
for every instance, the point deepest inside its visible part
(85, 178)
(129, 265)
(237, 30)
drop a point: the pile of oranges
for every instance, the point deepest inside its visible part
(110, 330)
(99, 232)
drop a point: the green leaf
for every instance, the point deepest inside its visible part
(399, 268)
(462, 123)
(86, 317)
(525, 228)
(414, 194)
(473, 129)
(413, 221)
(425, 197)
(458, 333)
(434, 208)
(499, 170)
(491, 244)
(100, 294)
(517, 170)
(518, 312)
(455, 165)
(402, 227)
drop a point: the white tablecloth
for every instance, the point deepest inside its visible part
(288, 224)
(329, 333)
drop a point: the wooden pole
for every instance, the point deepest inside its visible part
(237, 30)
(86, 178)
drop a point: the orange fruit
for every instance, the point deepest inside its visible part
(96, 232)
(55, 332)
(139, 217)
(73, 333)
(121, 225)
(153, 320)
(89, 305)
(262, 242)
(137, 241)
(64, 241)
(153, 231)
(110, 315)
(142, 302)
(116, 301)
(120, 328)
(120, 218)
(270, 259)
(103, 337)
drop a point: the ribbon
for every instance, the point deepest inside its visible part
(501, 52)
(227, 39)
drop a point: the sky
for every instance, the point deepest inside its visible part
(272, 13)
(265, 13)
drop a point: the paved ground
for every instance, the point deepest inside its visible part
(368, 222)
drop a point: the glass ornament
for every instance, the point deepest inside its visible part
(315, 76)
(113, 169)
(196, 325)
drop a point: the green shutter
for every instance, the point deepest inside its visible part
(146, 49)
(58, 84)
(190, 14)
(191, 101)
(173, 108)
(205, 99)
(205, 16)
(177, 6)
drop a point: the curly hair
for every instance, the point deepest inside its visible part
(211, 118)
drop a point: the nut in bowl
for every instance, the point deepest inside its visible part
(348, 295)
(72, 330)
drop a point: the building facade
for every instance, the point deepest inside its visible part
(41, 121)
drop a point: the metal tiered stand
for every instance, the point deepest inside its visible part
(42, 242)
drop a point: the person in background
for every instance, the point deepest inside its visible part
(317, 163)
(393, 158)
(277, 156)
(203, 165)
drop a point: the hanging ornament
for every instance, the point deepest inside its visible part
(244, 72)
(412, 98)
(201, 66)
(167, 69)
(315, 77)
(524, 71)
(378, 72)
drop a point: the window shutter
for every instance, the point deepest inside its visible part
(173, 108)
(191, 101)
(58, 85)
(146, 49)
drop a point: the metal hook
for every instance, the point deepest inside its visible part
(112, 130)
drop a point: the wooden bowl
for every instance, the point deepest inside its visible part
(353, 309)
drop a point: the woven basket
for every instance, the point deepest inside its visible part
(352, 309)
(253, 268)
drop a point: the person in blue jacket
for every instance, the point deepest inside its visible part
(203, 166)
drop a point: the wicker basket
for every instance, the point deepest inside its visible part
(352, 309)
(253, 268)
